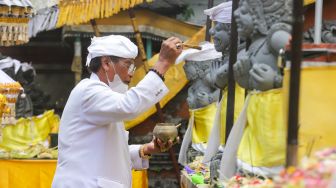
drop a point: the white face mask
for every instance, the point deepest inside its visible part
(117, 84)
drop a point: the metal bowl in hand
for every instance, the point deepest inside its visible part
(165, 131)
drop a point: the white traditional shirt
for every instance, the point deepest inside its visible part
(93, 144)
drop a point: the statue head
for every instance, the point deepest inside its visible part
(257, 16)
(220, 33)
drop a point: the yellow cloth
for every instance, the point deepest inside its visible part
(239, 103)
(264, 139)
(29, 131)
(308, 2)
(76, 12)
(175, 79)
(203, 121)
(40, 173)
(317, 118)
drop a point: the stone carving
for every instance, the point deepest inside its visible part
(328, 33)
(200, 92)
(35, 101)
(218, 74)
(266, 24)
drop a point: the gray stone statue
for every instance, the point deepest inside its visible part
(328, 33)
(200, 92)
(201, 98)
(266, 24)
(218, 74)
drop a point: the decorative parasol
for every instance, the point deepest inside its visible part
(14, 17)
(73, 12)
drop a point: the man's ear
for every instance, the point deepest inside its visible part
(105, 63)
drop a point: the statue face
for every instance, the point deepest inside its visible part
(220, 36)
(244, 21)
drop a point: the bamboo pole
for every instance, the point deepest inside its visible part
(294, 88)
(95, 28)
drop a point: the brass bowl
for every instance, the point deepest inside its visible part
(165, 131)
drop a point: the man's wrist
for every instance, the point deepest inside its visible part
(158, 73)
(144, 153)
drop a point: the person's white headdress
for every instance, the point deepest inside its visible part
(208, 52)
(112, 45)
(220, 13)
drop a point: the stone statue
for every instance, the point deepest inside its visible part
(202, 97)
(200, 92)
(218, 74)
(266, 24)
(35, 101)
(328, 33)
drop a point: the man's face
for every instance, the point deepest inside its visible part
(125, 69)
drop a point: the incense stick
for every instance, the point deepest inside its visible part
(192, 46)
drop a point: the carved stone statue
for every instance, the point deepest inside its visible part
(201, 100)
(266, 24)
(218, 74)
(200, 92)
(328, 33)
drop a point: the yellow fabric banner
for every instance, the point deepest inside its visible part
(317, 118)
(40, 173)
(264, 139)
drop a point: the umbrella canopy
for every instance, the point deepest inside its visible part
(14, 17)
(73, 12)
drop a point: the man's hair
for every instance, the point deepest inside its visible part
(95, 63)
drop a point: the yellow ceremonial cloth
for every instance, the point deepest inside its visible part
(203, 121)
(308, 2)
(239, 103)
(29, 131)
(264, 139)
(317, 119)
(40, 173)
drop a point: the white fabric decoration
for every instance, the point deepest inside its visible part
(220, 13)
(208, 52)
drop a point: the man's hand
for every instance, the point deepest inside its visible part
(157, 146)
(170, 50)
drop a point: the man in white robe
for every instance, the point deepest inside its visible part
(93, 144)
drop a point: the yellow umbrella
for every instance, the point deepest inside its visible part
(73, 12)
